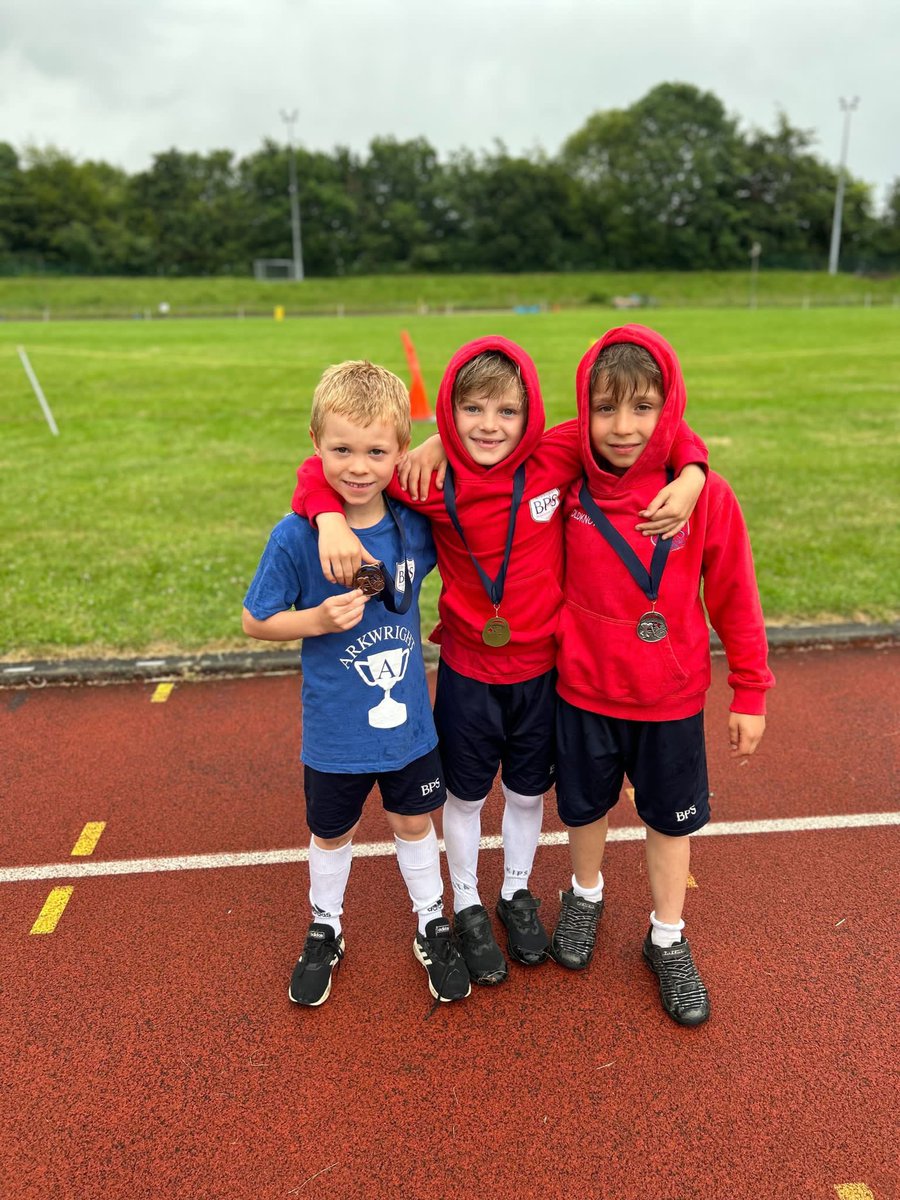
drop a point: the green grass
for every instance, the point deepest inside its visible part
(139, 527)
(35, 296)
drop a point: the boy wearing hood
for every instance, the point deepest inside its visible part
(633, 657)
(498, 531)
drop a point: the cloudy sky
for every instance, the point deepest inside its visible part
(120, 79)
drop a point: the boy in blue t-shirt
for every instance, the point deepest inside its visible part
(366, 709)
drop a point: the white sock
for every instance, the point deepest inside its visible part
(594, 894)
(420, 866)
(522, 819)
(329, 871)
(662, 934)
(462, 835)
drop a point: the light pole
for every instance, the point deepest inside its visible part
(848, 107)
(289, 119)
(755, 252)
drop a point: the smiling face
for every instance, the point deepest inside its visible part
(622, 426)
(490, 426)
(358, 461)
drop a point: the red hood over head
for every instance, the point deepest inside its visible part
(657, 451)
(460, 459)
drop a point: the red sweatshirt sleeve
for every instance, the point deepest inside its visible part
(731, 596)
(686, 449)
(314, 496)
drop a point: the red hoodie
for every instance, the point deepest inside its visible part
(533, 591)
(603, 665)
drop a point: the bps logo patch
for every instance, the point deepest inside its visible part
(543, 507)
(678, 540)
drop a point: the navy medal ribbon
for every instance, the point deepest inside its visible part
(496, 632)
(652, 625)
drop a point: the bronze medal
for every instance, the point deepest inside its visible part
(369, 579)
(652, 627)
(496, 632)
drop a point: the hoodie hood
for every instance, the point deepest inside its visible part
(657, 451)
(459, 457)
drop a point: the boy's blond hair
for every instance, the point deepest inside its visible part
(626, 368)
(490, 373)
(362, 392)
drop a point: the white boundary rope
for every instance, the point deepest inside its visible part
(38, 391)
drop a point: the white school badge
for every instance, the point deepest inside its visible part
(544, 506)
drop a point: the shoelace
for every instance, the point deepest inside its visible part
(680, 980)
(315, 951)
(575, 927)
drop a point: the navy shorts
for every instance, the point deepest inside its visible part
(486, 726)
(334, 802)
(665, 761)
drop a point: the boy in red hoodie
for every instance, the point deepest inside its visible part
(498, 532)
(633, 657)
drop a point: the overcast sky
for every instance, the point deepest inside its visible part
(121, 79)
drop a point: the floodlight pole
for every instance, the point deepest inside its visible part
(848, 107)
(290, 119)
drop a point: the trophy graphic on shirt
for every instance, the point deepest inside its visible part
(385, 670)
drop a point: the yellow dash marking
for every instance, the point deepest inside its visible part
(629, 792)
(692, 882)
(54, 907)
(162, 693)
(88, 838)
(854, 1191)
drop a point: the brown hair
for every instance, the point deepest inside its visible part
(491, 373)
(362, 392)
(626, 368)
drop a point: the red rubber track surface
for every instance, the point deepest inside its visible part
(150, 1049)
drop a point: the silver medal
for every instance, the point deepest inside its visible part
(652, 627)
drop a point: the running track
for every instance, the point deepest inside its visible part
(150, 1050)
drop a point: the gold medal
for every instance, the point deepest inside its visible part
(496, 632)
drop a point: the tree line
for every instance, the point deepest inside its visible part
(671, 182)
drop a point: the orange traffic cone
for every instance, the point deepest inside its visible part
(418, 401)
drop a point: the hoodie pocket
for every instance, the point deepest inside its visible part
(603, 657)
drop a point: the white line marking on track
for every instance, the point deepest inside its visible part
(267, 858)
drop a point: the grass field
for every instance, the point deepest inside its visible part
(139, 527)
(54, 298)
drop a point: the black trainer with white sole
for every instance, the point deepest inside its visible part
(312, 978)
(448, 976)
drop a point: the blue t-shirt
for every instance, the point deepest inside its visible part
(366, 705)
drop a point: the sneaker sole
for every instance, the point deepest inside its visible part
(678, 1021)
(310, 1003)
(443, 999)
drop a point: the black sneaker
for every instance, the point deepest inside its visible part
(526, 937)
(683, 992)
(575, 935)
(311, 980)
(448, 976)
(482, 955)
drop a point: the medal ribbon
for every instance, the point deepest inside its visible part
(493, 587)
(647, 581)
(391, 603)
